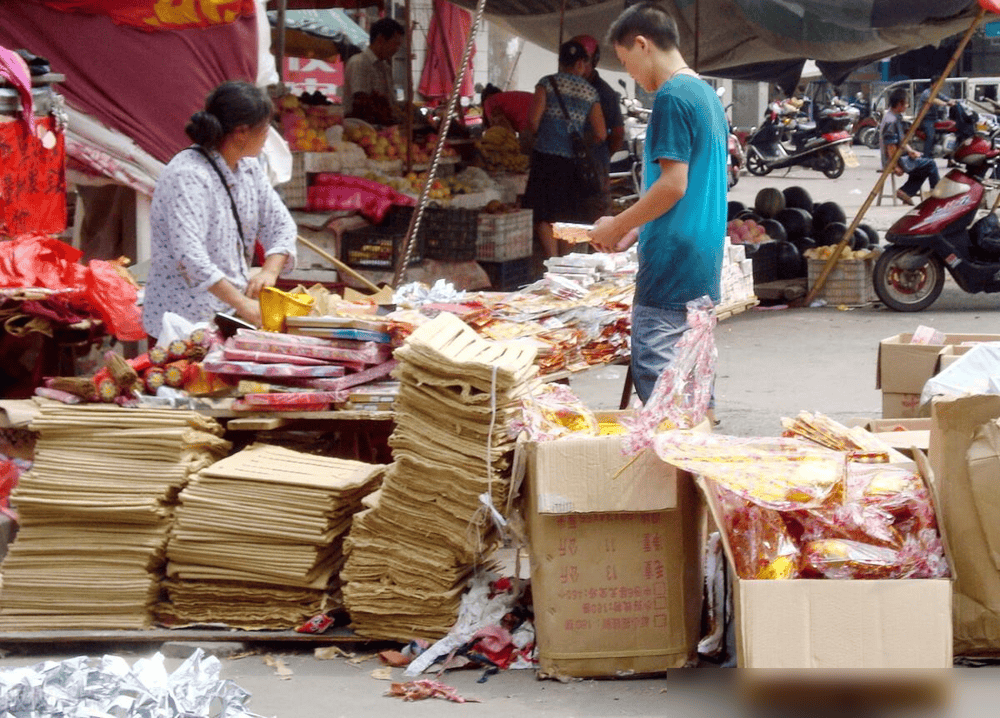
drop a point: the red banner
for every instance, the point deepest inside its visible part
(160, 14)
(33, 184)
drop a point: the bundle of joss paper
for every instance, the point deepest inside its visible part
(316, 364)
(793, 509)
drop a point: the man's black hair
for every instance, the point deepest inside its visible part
(386, 27)
(646, 19)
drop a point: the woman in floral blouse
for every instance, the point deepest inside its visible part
(212, 205)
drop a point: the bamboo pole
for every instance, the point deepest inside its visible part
(337, 263)
(891, 165)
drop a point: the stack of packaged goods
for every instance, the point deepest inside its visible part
(96, 510)
(301, 371)
(410, 554)
(792, 509)
(230, 562)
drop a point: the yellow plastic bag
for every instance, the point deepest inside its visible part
(276, 305)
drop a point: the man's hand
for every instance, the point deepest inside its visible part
(605, 237)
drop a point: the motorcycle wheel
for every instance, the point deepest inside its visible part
(756, 164)
(907, 290)
(833, 164)
(869, 137)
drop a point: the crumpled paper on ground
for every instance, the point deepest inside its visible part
(86, 687)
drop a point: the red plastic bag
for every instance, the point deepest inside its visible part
(114, 299)
(34, 260)
(332, 192)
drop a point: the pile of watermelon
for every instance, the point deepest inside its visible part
(791, 218)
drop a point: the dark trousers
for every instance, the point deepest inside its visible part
(919, 170)
(928, 127)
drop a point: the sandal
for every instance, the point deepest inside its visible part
(904, 198)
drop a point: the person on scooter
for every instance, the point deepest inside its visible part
(934, 113)
(891, 133)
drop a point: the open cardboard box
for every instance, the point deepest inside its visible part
(968, 479)
(615, 561)
(840, 626)
(904, 435)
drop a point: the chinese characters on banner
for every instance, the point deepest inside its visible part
(308, 75)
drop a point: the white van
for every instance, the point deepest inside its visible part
(980, 93)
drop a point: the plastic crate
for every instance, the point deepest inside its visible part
(504, 236)
(377, 247)
(850, 282)
(510, 275)
(450, 234)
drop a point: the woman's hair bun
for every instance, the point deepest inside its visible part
(204, 129)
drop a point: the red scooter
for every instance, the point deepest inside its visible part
(936, 234)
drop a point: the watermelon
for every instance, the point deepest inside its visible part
(789, 261)
(797, 197)
(733, 209)
(774, 230)
(831, 233)
(797, 222)
(804, 243)
(872, 233)
(748, 214)
(769, 202)
(824, 214)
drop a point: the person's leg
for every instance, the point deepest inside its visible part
(923, 168)
(928, 128)
(655, 333)
(545, 235)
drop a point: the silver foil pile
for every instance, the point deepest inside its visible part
(108, 687)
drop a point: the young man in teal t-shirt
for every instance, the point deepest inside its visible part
(680, 220)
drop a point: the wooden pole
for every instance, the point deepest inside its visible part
(280, 59)
(341, 267)
(891, 165)
(562, 23)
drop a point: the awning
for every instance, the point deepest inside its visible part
(331, 26)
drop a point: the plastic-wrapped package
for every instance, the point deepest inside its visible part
(682, 392)
(762, 546)
(552, 411)
(782, 474)
(843, 559)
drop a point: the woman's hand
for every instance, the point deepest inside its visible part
(249, 309)
(263, 278)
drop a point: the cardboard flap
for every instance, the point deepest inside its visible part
(984, 480)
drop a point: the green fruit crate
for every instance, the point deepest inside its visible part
(504, 236)
(849, 283)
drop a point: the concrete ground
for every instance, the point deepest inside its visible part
(772, 363)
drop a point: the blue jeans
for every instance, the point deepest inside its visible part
(929, 134)
(920, 169)
(655, 333)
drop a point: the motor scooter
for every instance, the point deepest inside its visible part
(829, 153)
(626, 163)
(936, 234)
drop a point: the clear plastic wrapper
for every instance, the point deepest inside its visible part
(682, 393)
(762, 546)
(552, 411)
(782, 474)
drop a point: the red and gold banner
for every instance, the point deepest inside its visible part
(160, 14)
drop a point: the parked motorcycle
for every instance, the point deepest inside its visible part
(961, 122)
(804, 145)
(737, 157)
(626, 164)
(935, 235)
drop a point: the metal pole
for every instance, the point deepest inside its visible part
(408, 119)
(418, 214)
(891, 165)
(280, 59)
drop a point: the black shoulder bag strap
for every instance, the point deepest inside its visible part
(569, 122)
(232, 200)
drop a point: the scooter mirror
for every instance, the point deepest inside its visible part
(720, 92)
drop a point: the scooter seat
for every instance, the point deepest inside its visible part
(944, 126)
(805, 126)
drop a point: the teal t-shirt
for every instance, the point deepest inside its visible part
(680, 252)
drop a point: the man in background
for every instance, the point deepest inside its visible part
(936, 112)
(369, 73)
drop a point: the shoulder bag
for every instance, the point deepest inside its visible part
(587, 169)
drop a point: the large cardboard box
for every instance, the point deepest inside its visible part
(968, 484)
(843, 626)
(615, 570)
(900, 406)
(904, 368)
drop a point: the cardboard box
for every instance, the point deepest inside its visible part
(903, 434)
(904, 368)
(968, 491)
(615, 568)
(900, 406)
(949, 355)
(840, 625)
